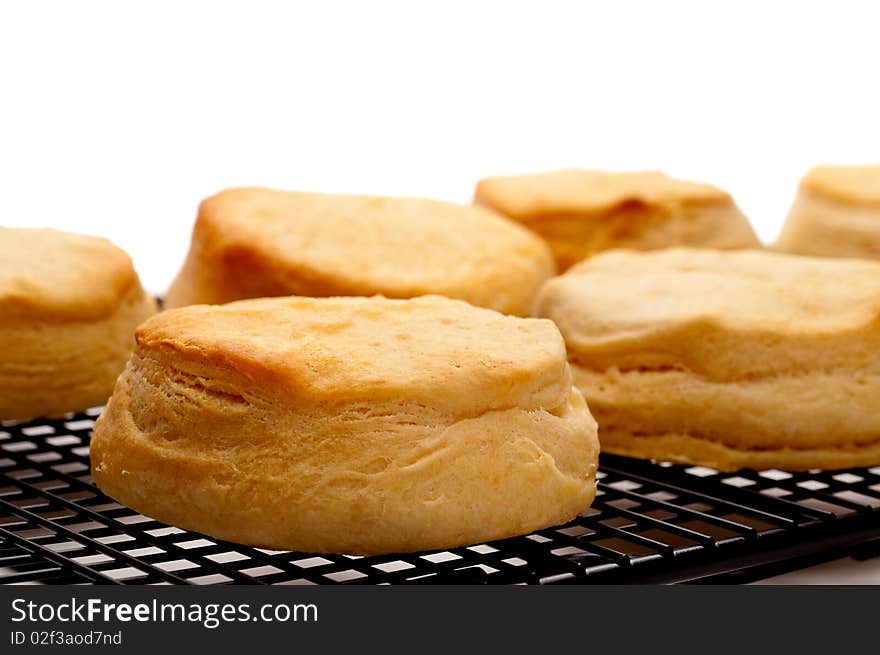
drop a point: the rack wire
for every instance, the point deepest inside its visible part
(651, 523)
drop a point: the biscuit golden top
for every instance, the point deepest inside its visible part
(395, 246)
(47, 274)
(712, 310)
(555, 193)
(857, 184)
(441, 353)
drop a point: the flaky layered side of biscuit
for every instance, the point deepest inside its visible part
(778, 422)
(69, 305)
(580, 213)
(348, 425)
(252, 243)
(731, 360)
(50, 367)
(836, 213)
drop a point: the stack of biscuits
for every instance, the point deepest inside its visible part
(359, 374)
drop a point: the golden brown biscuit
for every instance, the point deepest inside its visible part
(355, 425)
(251, 243)
(582, 212)
(836, 213)
(727, 359)
(68, 308)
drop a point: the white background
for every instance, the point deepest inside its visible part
(116, 118)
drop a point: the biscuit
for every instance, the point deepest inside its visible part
(836, 213)
(582, 212)
(726, 359)
(352, 425)
(250, 243)
(68, 308)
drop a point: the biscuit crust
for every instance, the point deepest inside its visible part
(855, 184)
(355, 425)
(51, 275)
(251, 243)
(583, 212)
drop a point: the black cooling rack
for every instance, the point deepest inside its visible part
(650, 523)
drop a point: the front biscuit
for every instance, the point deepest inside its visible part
(348, 425)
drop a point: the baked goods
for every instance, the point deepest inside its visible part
(582, 212)
(727, 359)
(836, 213)
(354, 425)
(250, 243)
(68, 308)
